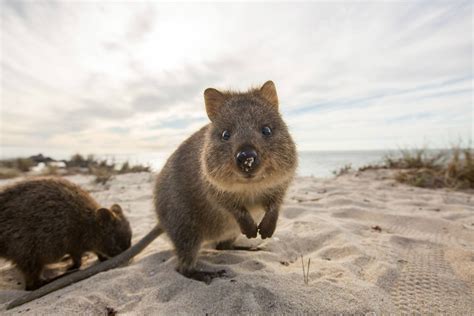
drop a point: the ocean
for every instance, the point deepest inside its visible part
(324, 163)
(311, 163)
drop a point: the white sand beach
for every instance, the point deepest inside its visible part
(375, 246)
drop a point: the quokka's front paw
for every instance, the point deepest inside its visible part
(267, 227)
(249, 229)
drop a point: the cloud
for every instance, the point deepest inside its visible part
(141, 24)
(16, 7)
(130, 76)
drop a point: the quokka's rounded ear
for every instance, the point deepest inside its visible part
(104, 215)
(116, 209)
(213, 100)
(268, 91)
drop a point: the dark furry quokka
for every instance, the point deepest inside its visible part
(43, 219)
(230, 177)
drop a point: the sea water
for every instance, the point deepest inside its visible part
(310, 163)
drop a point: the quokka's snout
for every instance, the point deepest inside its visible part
(249, 146)
(247, 159)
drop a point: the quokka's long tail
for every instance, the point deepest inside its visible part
(69, 279)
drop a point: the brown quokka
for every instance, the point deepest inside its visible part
(225, 177)
(43, 219)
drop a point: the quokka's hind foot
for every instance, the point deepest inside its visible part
(229, 245)
(101, 258)
(32, 285)
(32, 273)
(186, 266)
(76, 263)
(226, 244)
(205, 276)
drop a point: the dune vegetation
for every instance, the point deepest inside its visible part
(102, 169)
(453, 168)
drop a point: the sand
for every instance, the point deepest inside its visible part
(375, 246)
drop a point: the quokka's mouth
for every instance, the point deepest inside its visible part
(250, 177)
(248, 174)
(245, 174)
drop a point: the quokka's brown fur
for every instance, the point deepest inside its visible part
(43, 219)
(205, 194)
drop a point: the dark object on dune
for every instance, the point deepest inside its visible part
(40, 158)
(377, 228)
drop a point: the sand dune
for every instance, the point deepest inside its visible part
(375, 246)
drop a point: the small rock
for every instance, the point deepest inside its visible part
(377, 228)
(110, 311)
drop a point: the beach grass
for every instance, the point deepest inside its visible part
(11, 168)
(453, 168)
(102, 169)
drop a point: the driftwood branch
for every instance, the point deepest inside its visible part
(69, 279)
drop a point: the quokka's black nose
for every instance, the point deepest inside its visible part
(247, 160)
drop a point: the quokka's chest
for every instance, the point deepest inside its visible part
(256, 211)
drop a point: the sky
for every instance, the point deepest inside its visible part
(123, 77)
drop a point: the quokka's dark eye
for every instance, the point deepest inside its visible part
(266, 131)
(225, 135)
